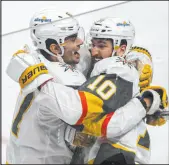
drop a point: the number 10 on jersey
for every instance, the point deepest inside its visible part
(105, 90)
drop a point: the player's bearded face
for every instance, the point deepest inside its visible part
(71, 48)
(101, 48)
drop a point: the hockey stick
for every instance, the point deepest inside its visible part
(158, 114)
(164, 114)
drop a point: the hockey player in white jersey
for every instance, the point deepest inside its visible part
(135, 144)
(83, 114)
(36, 138)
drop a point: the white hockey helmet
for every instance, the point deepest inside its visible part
(116, 29)
(47, 24)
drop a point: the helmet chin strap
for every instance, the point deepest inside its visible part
(59, 56)
(113, 53)
(60, 59)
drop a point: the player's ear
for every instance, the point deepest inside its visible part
(121, 50)
(54, 49)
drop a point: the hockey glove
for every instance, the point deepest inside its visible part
(163, 95)
(154, 97)
(156, 119)
(142, 60)
(145, 77)
(26, 69)
(83, 140)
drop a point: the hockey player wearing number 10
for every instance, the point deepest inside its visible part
(107, 39)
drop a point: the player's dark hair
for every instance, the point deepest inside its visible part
(48, 42)
(123, 42)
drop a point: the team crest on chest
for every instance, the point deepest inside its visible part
(124, 61)
(67, 67)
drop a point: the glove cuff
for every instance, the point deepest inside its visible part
(155, 99)
(142, 102)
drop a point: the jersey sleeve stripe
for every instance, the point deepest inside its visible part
(93, 125)
(105, 123)
(84, 107)
(44, 83)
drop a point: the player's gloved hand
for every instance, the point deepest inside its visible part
(155, 119)
(162, 93)
(145, 77)
(83, 140)
(25, 67)
(152, 99)
(141, 59)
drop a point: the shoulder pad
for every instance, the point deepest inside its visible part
(115, 65)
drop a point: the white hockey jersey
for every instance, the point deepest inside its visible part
(135, 140)
(38, 138)
(135, 143)
(79, 107)
(82, 107)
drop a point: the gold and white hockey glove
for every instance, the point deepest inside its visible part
(83, 140)
(76, 138)
(145, 77)
(142, 60)
(26, 69)
(155, 119)
(162, 93)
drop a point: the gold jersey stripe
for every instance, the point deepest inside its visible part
(93, 125)
(94, 103)
(122, 147)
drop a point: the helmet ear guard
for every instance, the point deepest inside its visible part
(40, 43)
(49, 25)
